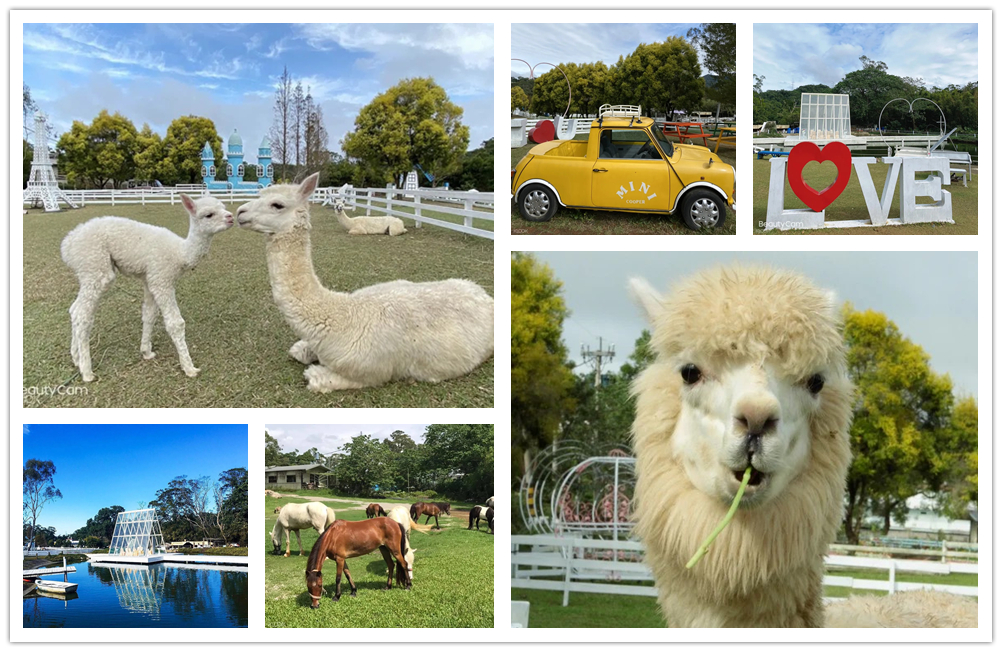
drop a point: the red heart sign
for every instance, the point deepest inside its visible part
(804, 153)
(543, 132)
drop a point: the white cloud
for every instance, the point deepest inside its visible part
(328, 438)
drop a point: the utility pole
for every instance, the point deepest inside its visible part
(596, 357)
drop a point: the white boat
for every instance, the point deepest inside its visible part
(50, 586)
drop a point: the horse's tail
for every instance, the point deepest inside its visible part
(473, 514)
(420, 528)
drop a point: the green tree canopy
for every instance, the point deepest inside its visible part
(718, 42)
(478, 169)
(182, 150)
(662, 76)
(38, 489)
(92, 155)
(412, 124)
(902, 411)
(519, 100)
(100, 526)
(540, 378)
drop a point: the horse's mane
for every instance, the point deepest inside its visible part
(318, 552)
(403, 538)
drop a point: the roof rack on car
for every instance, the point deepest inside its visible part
(619, 111)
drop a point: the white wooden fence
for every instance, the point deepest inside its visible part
(414, 205)
(549, 562)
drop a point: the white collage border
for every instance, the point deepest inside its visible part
(784, 11)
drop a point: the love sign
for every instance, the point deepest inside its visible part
(806, 152)
(936, 175)
(543, 132)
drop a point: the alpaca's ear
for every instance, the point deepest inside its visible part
(645, 296)
(188, 203)
(307, 187)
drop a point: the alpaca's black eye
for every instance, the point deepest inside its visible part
(277, 206)
(691, 374)
(815, 383)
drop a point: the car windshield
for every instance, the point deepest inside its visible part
(666, 145)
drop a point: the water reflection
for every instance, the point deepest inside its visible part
(161, 595)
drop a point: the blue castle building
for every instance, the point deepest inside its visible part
(235, 167)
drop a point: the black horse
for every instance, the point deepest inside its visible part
(485, 513)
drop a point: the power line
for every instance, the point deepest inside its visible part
(596, 357)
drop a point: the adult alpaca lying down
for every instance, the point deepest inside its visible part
(429, 331)
(750, 370)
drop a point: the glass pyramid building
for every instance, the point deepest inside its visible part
(137, 533)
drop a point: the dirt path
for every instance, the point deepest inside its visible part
(462, 515)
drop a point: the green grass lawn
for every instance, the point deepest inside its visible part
(334, 500)
(235, 334)
(597, 610)
(453, 581)
(850, 204)
(570, 221)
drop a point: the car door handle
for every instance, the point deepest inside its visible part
(599, 170)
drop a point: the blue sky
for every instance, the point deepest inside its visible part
(103, 465)
(328, 438)
(790, 56)
(156, 72)
(583, 42)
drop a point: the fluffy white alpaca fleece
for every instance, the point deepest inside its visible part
(423, 331)
(903, 609)
(367, 224)
(99, 248)
(765, 568)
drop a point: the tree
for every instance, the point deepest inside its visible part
(231, 505)
(272, 451)
(28, 108)
(149, 154)
(540, 378)
(366, 464)
(29, 155)
(901, 410)
(101, 526)
(281, 128)
(463, 458)
(519, 100)
(869, 89)
(718, 42)
(38, 490)
(298, 121)
(478, 169)
(399, 442)
(588, 86)
(100, 152)
(411, 125)
(183, 504)
(315, 139)
(182, 150)
(663, 76)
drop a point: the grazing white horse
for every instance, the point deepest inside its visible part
(297, 516)
(402, 515)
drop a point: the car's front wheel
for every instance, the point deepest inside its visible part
(537, 203)
(703, 209)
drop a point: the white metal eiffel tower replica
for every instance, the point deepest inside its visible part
(42, 186)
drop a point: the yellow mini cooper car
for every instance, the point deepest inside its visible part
(627, 164)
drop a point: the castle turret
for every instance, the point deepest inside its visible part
(235, 159)
(208, 164)
(265, 170)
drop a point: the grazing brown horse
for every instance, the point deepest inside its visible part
(428, 509)
(374, 510)
(346, 539)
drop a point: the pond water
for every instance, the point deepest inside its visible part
(161, 595)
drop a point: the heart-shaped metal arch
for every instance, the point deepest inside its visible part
(911, 109)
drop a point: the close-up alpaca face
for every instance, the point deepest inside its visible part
(739, 414)
(277, 209)
(210, 214)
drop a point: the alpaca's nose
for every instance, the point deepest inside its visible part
(757, 416)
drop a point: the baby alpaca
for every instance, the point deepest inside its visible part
(425, 331)
(100, 247)
(367, 224)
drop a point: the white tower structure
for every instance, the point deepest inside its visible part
(42, 186)
(137, 534)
